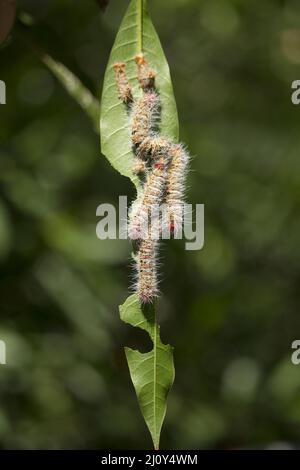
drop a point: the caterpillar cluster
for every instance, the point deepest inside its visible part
(161, 164)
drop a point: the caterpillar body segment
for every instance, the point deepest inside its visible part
(139, 166)
(151, 198)
(146, 265)
(175, 190)
(144, 116)
(156, 147)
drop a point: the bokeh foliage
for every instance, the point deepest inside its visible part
(230, 310)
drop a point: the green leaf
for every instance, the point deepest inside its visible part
(152, 373)
(136, 34)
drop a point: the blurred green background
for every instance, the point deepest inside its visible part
(230, 310)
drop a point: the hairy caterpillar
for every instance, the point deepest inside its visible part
(176, 186)
(124, 89)
(146, 262)
(151, 197)
(144, 112)
(164, 164)
(144, 116)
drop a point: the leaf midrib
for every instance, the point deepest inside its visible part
(154, 376)
(140, 8)
(140, 25)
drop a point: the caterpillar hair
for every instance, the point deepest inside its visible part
(179, 160)
(156, 146)
(146, 75)
(144, 115)
(124, 89)
(139, 166)
(146, 265)
(151, 198)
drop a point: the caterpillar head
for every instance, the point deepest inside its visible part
(146, 75)
(119, 67)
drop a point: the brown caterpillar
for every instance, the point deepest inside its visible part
(176, 186)
(152, 196)
(143, 117)
(144, 112)
(124, 89)
(146, 76)
(164, 164)
(146, 263)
